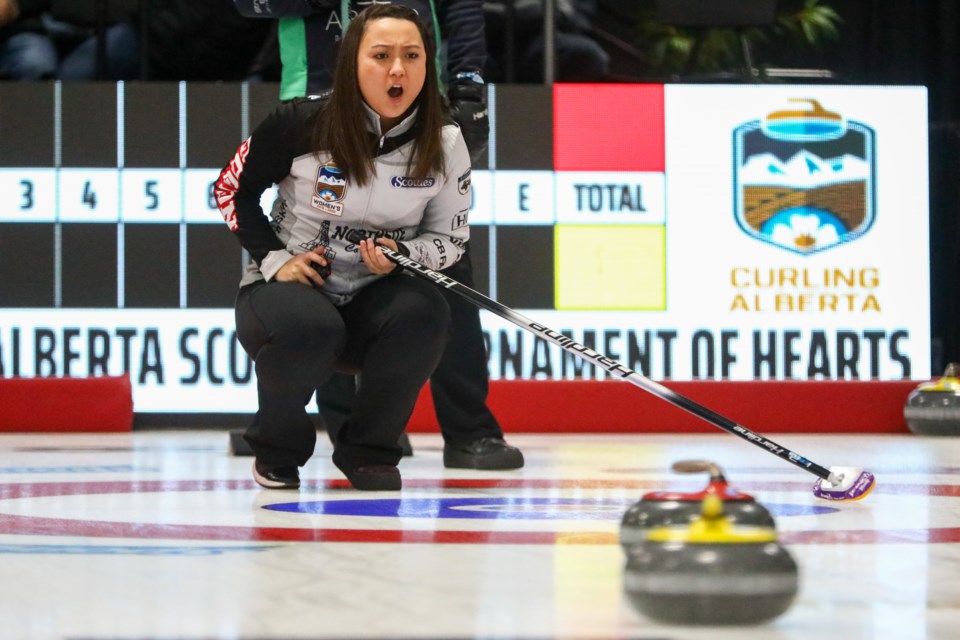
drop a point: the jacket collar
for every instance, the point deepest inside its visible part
(373, 122)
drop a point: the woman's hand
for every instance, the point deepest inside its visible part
(304, 268)
(374, 258)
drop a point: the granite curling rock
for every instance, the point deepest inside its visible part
(711, 572)
(667, 508)
(933, 408)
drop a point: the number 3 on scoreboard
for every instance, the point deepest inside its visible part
(27, 194)
(32, 195)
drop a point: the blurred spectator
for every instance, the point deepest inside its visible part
(9, 11)
(74, 24)
(185, 40)
(578, 56)
(26, 51)
(58, 39)
(202, 40)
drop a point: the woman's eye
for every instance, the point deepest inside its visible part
(413, 56)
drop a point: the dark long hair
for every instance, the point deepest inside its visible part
(341, 126)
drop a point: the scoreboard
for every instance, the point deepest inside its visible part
(689, 231)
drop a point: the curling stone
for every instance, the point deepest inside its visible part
(933, 408)
(711, 572)
(668, 508)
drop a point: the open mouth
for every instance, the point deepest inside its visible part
(395, 91)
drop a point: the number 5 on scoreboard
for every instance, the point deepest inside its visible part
(151, 195)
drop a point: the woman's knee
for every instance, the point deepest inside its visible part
(425, 313)
(289, 314)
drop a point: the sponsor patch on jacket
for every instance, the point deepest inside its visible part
(403, 182)
(463, 182)
(330, 188)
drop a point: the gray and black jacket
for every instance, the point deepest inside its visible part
(317, 206)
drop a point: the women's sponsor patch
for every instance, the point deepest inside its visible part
(403, 182)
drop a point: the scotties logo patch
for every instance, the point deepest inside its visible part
(804, 178)
(330, 189)
(403, 182)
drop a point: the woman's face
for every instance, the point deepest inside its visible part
(391, 67)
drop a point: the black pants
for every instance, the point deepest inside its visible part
(459, 384)
(392, 333)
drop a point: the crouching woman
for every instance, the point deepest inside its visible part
(376, 155)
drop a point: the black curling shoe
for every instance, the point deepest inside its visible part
(379, 477)
(279, 478)
(489, 454)
(370, 477)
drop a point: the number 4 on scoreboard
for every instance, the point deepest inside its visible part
(89, 195)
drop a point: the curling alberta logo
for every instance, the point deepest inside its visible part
(804, 178)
